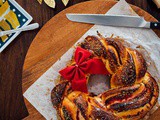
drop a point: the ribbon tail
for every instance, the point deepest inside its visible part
(96, 66)
(80, 85)
(68, 72)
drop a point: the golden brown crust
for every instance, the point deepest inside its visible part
(135, 101)
(58, 92)
(127, 66)
(141, 66)
(79, 106)
(100, 114)
(125, 75)
(133, 91)
(93, 44)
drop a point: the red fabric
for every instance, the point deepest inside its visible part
(76, 73)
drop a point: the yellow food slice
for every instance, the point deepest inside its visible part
(4, 25)
(1, 2)
(12, 19)
(4, 7)
(4, 38)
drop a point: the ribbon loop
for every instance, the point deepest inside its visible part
(84, 64)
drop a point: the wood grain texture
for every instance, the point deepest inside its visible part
(56, 37)
(12, 105)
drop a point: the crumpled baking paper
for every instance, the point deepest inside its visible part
(145, 40)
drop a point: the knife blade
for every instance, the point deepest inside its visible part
(113, 20)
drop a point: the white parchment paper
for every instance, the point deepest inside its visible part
(39, 93)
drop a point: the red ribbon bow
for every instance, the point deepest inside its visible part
(83, 65)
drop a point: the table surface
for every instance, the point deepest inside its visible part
(12, 58)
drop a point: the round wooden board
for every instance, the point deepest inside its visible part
(56, 37)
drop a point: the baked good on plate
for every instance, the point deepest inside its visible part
(131, 91)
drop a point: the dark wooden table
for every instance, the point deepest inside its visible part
(11, 59)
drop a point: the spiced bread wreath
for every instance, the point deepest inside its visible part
(133, 91)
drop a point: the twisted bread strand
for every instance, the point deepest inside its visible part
(126, 66)
(133, 90)
(79, 106)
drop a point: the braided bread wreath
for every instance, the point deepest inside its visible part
(133, 91)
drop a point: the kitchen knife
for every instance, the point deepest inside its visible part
(113, 20)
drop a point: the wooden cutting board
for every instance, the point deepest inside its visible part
(56, 37)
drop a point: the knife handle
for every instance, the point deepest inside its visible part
(155, 25)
